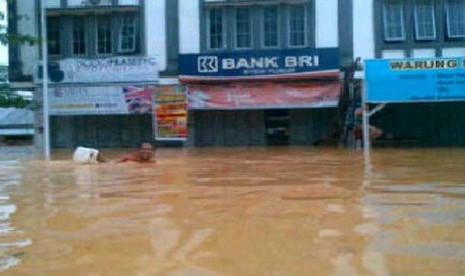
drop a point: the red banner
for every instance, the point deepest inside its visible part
(262, 95)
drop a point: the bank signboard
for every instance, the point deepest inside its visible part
(100, 70)
(415, 80)
(260, 64)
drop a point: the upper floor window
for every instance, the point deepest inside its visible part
(425, 24)
(53, 36)
(243, 28)
(297, 25)
(455, 14)
(94, 35)
(270, 26)
(393, 19)
(127, 37)
(215, 28)
(104, 37)
(79, 36)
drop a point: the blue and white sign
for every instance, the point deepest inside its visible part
(265, 64)
(415, 80)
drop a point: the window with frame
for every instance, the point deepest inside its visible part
(270, 26)
(243, 28)
(79, 41)
(425, 22)
(297, 17)
(53, 36)
(215, 28)
(455, 17)
(393, 21)
(104, 37)
(127, 34)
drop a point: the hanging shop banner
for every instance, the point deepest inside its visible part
(415, 80)
(95, 100)
(262, 95)
(264, 64)
(170, 113)
(114, 69)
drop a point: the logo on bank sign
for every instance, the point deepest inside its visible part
(207, 64)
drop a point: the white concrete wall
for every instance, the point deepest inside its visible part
(364, 41)
(423, 53)
(27, 26)
(4, 25)
(155, 31)
(453, 52)
(189, 27)
(326, 23)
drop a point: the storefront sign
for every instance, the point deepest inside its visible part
(170, 113)
(295, 63)
(90, 100)
(262, 95)
(415, 80)
(114, 69)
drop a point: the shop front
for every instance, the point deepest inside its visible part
(103, 102)
(258, 98)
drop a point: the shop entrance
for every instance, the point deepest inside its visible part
(277, 127)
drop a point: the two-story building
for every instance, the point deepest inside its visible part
(106, 58)
(262, 72)
(402, 29)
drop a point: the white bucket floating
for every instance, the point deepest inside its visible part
(83, 155)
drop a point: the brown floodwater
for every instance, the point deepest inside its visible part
(235, 211)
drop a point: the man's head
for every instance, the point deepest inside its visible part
(145, 152)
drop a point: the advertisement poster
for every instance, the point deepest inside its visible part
(260, 95)
(170, 113)
(100, 100)
(415, 80)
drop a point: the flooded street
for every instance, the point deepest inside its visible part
(235, 211)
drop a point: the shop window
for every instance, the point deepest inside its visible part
(270, 26)
(393, 21)
(243, 28)
(425, 27)
(455, 16)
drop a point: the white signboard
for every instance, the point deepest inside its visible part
(100, 70)
(88, 100)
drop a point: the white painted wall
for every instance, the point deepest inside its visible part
(453, 52)
(27, 25)
(53, 3)
(189, 27)
(155, 31)
(3, 24)
(423, 53)
(364, 41)
(393, 54)
(326, 23)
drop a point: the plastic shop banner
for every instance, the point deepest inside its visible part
(170, 113)
(100, 70)
(104, 100)
(263, 95)
(415, 80)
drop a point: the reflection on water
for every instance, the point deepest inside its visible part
(240, 211)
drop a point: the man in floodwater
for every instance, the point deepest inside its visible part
(144, 154)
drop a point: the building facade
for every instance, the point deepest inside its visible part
(259, 72)
(402, 29)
